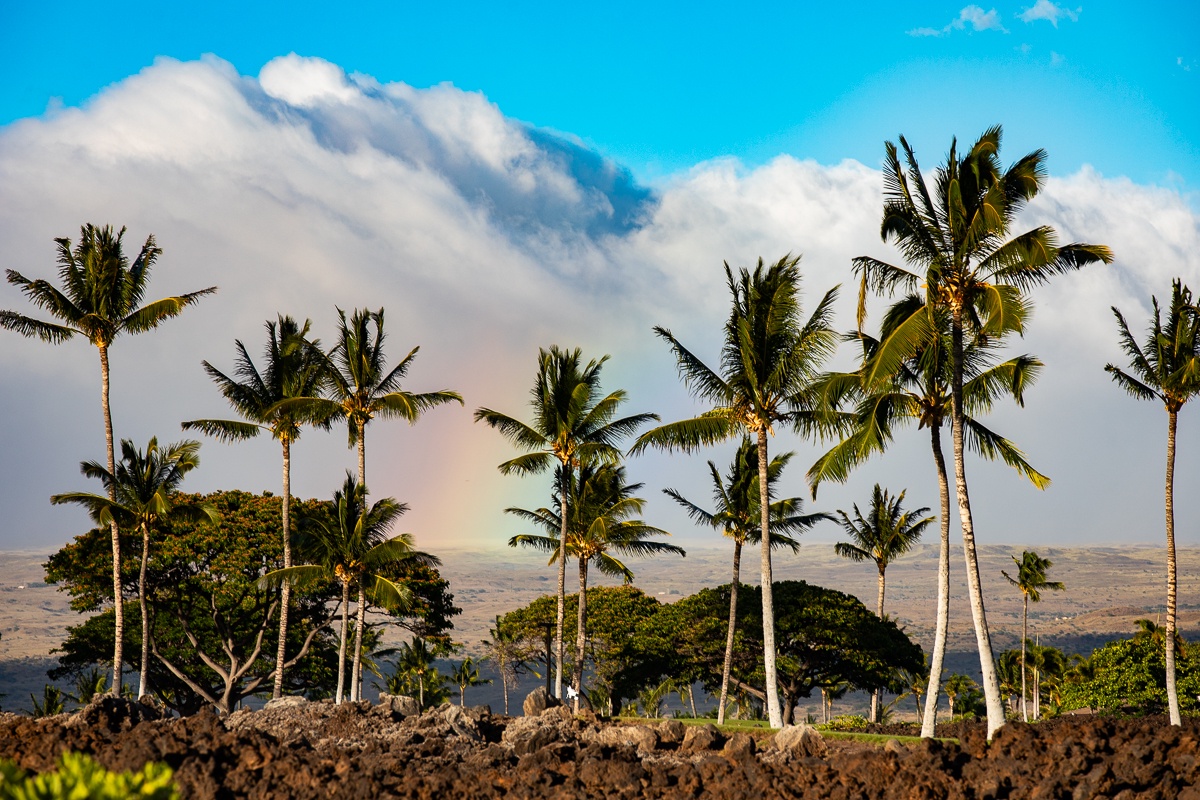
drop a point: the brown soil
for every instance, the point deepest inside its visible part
(308, 750)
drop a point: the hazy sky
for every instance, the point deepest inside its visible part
(501, 177)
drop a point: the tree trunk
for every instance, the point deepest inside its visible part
(580, 635)
(504, 686)
(118, 596)
(932, 694)
(733, 598)
(987, 663)
(879, 613)
(286, 595)
(362, 454)
(341, 684)
(145, 666)
(356, 671)
(1024, 639)
(774, 713)
(561, 614)
(1172, 692)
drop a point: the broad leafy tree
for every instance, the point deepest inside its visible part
(602, 524)
(1165, 368)
(291, 369)
(769, 358)
(887, 532)
(145, 487)
(102, 295)
(959, 242)
(573, 424)
(920, 392)
(1030, 581)
(735, 514)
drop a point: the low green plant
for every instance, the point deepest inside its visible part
(79, 775)
(846, 723)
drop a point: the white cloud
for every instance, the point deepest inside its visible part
(1044, 9)
(306, 188)
(973, 16)
(1056, 58)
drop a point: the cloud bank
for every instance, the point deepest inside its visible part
(306, 188)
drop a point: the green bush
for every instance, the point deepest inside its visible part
(849, 723)
(79, 776)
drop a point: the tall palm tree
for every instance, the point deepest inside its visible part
(101, 297)
(291, 370)
(353, 548)
(573, 425)
(736, 515)
(141, 493)
(602, 520)
(1166, 368)
(769, 358)
(885, 534)
(920, 391)
(975, 274)
(1030, 581)
(360, 386)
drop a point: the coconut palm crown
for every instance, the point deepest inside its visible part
(101, 297)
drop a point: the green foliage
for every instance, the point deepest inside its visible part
(414, 674)
(1129, 675)
(846, 723)
(52, 702)
(80, 776)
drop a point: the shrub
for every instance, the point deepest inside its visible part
(78, 775)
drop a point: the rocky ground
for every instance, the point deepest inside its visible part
(295, 749)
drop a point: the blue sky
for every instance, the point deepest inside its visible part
(662, 86)
(382, 154)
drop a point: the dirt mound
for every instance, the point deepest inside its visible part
(294, 749)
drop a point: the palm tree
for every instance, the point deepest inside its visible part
(290, 371)
(920, 391)
(975, 274)
(353, 548)
(737, 516)
(360, 386)
(140, 494)
(101, 298)
(601, 521)
(1166, 368)
(573, 426)
(768, 360)
(415, 666)
(887, 533)
(1030, 581)
(467, 674)
(1157, 634)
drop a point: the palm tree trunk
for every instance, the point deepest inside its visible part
(145, 666)
(341, 684)
(504, 686)
(932, 694)
(878, 613)
(1172, 692)
(733, 598)
(1024, 639)
(774, 713)
(356, 672)
(987, 663)
(581, 633)
(362, 453)
(561, 614)
(118, 598)
(286, 596)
